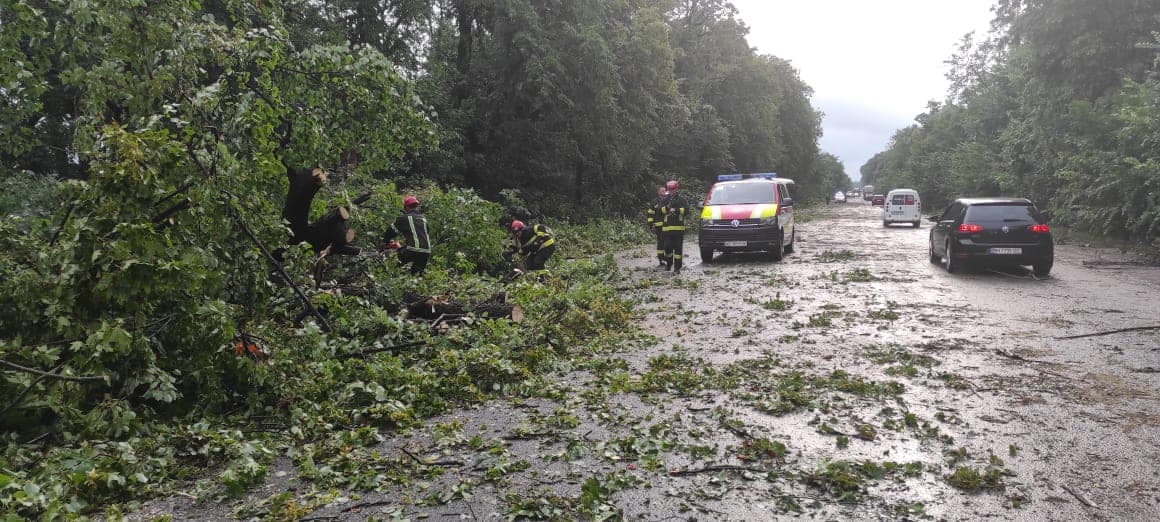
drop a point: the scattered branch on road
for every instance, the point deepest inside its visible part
(1018, 357)
(1081, 498)
(1110, 332)
(434, 463)
(715, 468)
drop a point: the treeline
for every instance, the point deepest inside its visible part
(1061, 104)
(581, 105)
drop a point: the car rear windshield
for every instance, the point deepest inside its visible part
(741, 193)
(900, 199)
(1007, 213)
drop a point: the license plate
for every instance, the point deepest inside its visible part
(1006, 250)
(736, 243)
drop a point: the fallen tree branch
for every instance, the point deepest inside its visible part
(1110, 332)
(1083, 500)
(717, 467)
(1040, 370)
(380, 350)
(277, 266)
(75, 378)
(63, 222)
(435, 463)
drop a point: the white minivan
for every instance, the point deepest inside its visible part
(902, 206)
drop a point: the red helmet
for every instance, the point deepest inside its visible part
(517, 225)
(671, 185)
(410, 201)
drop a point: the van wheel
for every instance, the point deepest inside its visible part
(885, 224)
(706, 255)
(792, 240)
(778, 252)
(916, 223)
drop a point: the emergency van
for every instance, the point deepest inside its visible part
(747, 213)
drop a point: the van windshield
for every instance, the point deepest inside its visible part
(741, 194)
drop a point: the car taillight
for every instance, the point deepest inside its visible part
(970, 228)
(1039, 229)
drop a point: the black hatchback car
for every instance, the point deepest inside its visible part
(992, 231)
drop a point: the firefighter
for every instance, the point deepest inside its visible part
(673, 227)
(534, 242)
(655, 221)
(412, 227)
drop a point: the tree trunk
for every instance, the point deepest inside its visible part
(332, 230)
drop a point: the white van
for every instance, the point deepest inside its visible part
(902, 206)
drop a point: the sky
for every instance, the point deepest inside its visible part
(873, 64)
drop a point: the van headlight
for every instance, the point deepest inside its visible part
(771, 220)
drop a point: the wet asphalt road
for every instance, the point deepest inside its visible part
(1070, 427)
(1084, 413)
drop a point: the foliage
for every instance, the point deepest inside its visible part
(584, 106)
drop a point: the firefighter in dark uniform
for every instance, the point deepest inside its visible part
(673, 227)
(411, 226)
(534, 242)
(655, 220)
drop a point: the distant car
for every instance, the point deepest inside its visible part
(902, 206)
(878, 200)
(839, 197)
(853, 194)
(992, 231)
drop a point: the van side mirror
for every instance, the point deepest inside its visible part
(787, 202)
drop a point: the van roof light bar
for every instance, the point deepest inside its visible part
(755, 175)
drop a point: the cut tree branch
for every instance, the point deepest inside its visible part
(380, 350)
(34, 371)
(277, 266)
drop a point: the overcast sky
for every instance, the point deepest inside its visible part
(873, 64)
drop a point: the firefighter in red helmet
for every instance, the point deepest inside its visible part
(536, 243)
(411, 226)
(673, 214)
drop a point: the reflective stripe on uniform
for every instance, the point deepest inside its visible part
(414, 243)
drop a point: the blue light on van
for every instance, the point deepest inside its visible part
(735, 177)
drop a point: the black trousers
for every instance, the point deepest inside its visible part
(418, 260)
(536, 260)
(674, 244)
(660, 245)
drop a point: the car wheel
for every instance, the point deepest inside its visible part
(792, 239)
(934, 258)
(885, 223)
(916, 223)
(778, 250)
(949, 259)
(1043, 268)
(706, 255)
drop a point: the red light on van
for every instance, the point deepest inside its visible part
(1039, 229)
(970, 228)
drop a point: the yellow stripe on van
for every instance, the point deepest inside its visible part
(763, 211)
(711, 212)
